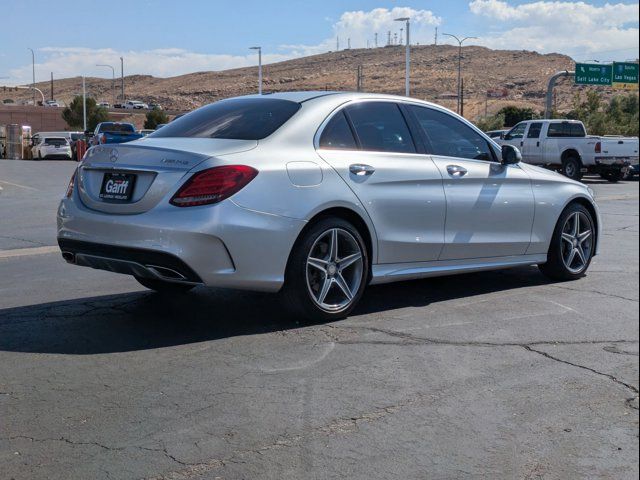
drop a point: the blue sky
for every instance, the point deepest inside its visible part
(166, 38)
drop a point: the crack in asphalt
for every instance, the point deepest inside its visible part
(334, 427)
(597, 292)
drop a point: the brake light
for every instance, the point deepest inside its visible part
(71, 182)
(598, 147)
(103, 138)
(213, 185)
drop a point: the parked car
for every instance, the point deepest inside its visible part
(104, 104)
(317, 195)
(496, 133)
(565, 146)
(155, 106)
(135, 105)
(114, 132)
(118, 105)
(146, 131)
(51, 103)
(51, 147)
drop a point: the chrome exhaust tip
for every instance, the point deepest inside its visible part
(69, 257)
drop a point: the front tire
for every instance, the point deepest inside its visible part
(327, 271)
(161, 286)
(572, 246)
(572, 168)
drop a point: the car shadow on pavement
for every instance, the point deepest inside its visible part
(146, 320)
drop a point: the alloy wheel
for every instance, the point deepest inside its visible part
(577, 242)
(334, 270)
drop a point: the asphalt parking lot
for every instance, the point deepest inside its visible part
(492, 375)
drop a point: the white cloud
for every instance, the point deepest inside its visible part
(359, 26)
(575, 28)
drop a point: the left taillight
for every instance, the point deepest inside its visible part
(213, 185)
(71, 182)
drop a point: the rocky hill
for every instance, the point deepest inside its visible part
(519, 75)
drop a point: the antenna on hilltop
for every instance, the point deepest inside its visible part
(337, 44)
(389, 38)
(349, 43)
(395, 38)
(376, 39)
(436, 39)
(401, 30)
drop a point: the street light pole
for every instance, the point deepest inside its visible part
(407, 72)
(113, 79)
(460, 42)
(33, 72)
(84, 105)
(259, 49)
(122, 78)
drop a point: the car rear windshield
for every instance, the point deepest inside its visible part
(236, 118)
(120, 128)
(55, 141)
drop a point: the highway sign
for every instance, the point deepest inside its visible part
(593, 74)
(625, 75)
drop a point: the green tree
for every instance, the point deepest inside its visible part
(154, 118)
(95, 114)
(492, 122)
(514, 115)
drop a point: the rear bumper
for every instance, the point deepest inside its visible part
(220, 245)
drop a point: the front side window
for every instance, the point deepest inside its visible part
(516, 132)
(337, 135)
(534, 130)
(235, 118)
(448, 136)
(380, 127)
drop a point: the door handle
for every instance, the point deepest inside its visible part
(537, 144)
(361, 169)
(522, 144)
(456, 171)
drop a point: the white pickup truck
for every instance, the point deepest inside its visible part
(565, 146)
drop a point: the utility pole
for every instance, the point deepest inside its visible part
(33, 73)
(51, 85)
(407, 72)
(401, 30)
(376, 39)
(122, 79)
(259, 49)
(389, 38)
(460, 42)
(436, 38)
(349, 43)
(359, 79)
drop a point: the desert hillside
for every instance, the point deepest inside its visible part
(521, 75)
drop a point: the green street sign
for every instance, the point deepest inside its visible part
(625, 75)
(593, 74)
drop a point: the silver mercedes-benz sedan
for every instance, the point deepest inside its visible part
(316, 195)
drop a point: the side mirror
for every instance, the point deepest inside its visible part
(510, 155)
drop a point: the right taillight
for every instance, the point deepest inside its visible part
(598, 147)
(213, 185)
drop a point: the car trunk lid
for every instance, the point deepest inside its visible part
(154, 166)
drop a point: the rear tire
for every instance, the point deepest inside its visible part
(572, 247)
(613, 176)
(327, 271)
(161, 286)
(572, 168)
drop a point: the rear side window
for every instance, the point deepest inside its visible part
(534, 130)
(380, 127)
(448, 136)
(577, 130)
(337, 135)
(235, 118)
(566, 129)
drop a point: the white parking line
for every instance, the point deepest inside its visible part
(26, 252)
(19, 186)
